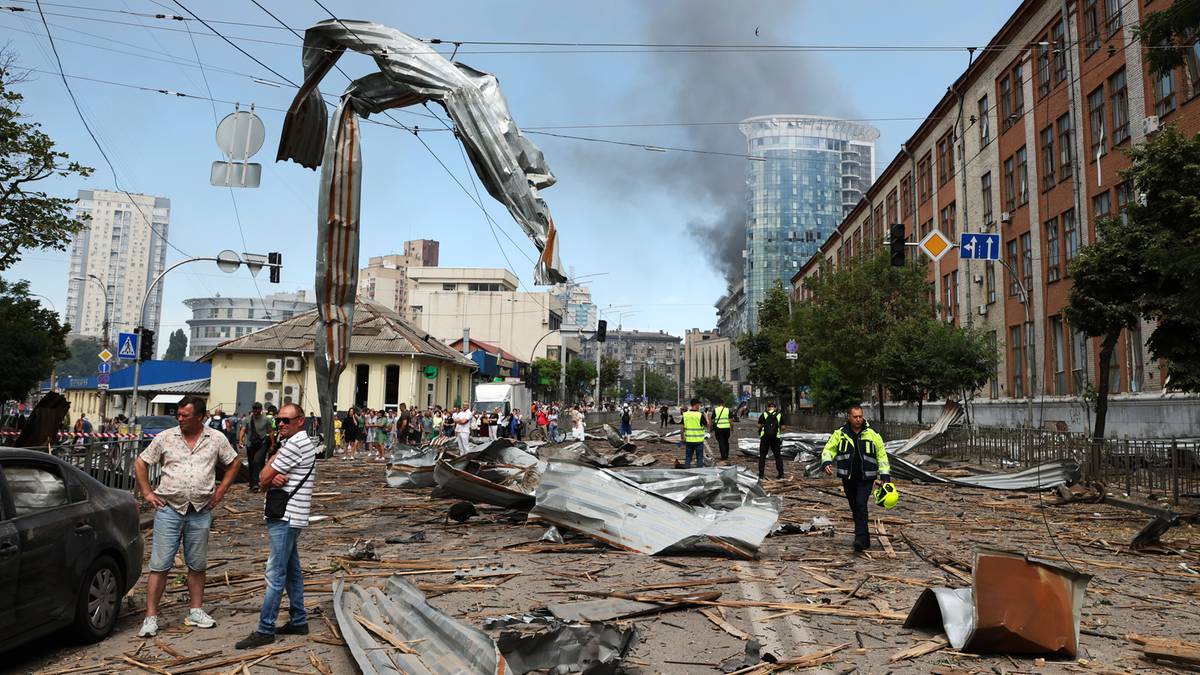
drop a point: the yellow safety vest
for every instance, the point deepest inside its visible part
(721, 417)
(693, 427)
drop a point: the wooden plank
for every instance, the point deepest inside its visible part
(384, 633)
(920, 649)
(688, 584)
(1169, 649)
(725, 625)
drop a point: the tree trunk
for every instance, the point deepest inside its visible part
(1107, 347)
(920, 407)
(879, 392)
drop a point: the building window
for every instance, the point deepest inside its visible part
(989, 278)
(1063, 125)
(1052, 262)
(1070, 235)
(994, 348)
(1058, 35)
(1191, 59)
(985, 194)
(1164, 93)
(1059, 356)
(1095, 100)
(946, 158)
(906, 195)
(449, 287)
(925, 178)
(1112, 16)
(1022, 176)
(985, 128)
(229, 313)
(1043, 67)
(948, 228)
(1014, 288)
(1018, 91)
(1018, 361)
(1124, 196)
(1120, 107)
(947, 298)
(1027, 260)
(892, 213)
(1101, 206)
(1049, 161)
(1006, 110)
(1010, 186)
(1091, 27)
(213, 313)
(1079, 359)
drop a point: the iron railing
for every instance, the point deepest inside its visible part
(109, 461)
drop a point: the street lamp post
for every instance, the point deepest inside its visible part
(104, 330)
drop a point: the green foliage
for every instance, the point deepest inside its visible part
(31, 342)
(659, 387)
(712, 389)
(764, 350)
(580, 374)
(177, 350)
(1172, 30)
(81, 359)
(927, 358)
(831, 392)
(30, 218)
(610, 370)
(547, 370)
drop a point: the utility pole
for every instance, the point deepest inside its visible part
(106, 344)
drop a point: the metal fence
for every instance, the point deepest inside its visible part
(1161, 467)
(108, 461)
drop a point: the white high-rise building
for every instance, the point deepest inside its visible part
(122, 249)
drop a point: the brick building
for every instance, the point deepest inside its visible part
(1026, 143)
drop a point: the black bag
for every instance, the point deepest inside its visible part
(275, 506)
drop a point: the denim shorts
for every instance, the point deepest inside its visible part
(170, 529)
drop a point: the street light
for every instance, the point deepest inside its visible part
(104, 329)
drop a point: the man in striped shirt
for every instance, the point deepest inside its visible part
(291, 468)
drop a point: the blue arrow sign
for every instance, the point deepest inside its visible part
(104, 368)
(979, 246)
(127, 346)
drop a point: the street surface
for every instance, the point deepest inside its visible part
(837, 598)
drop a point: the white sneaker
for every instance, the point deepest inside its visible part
(198, 618)
(149, 627)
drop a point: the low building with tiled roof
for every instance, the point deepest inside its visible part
(391, 362)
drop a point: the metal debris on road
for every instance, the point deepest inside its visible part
(500, 474)
(593, 649)
(1015, 605)
(1041, 477)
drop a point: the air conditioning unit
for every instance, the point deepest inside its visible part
(977, 278)
(1150, 124)
(1005, 217)
(274, 370)
(291, 393)
(982, 309)
(291, 364)
(271, 397)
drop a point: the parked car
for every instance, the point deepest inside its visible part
(70, 549)
(152, 425)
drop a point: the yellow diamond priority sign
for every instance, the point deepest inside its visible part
(105, 355)
(935, 245)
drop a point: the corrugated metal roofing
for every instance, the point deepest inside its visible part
(377, 330)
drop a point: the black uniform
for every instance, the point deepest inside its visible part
(768, 439)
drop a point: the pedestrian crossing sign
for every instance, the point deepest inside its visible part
(127, 346)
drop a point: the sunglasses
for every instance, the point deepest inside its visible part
(287, 420)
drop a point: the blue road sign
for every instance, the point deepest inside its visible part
(104, 368)
(979, 246)
(102, 378)
(791, 346)
(127, 346)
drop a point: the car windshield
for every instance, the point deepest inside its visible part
(155, 421)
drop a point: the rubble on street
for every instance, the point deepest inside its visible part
(493, 592)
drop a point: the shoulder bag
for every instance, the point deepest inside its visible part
(275, 506)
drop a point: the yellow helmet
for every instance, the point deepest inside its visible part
(887, 495)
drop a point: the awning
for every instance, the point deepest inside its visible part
(166, 398)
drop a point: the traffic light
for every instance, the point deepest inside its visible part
(145, 344)
(601, 330)
(897, 241)
(275, 261)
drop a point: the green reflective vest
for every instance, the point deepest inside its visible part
(693, 426)
(721, 417)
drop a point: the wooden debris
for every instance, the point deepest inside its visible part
(384, 633)
(725, 625)
(1168, 649)
(319, 664)
(920, 649)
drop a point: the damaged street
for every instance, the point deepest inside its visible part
(564, 562)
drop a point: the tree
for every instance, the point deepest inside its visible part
(659, 387)
(32, 341)
(1172, 31)
(1108, 279)
(82, 358)
(30, 218)
(177, 350)
(764, 349)
(580, 374)
(831, 392)
(713, 389)
(610, 371)
(547, 373)
(964, 360)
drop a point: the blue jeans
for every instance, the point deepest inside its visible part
(283, 574)
(696, 449)
(172, 528)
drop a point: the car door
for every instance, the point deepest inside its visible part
(10, 566)
(56, 537)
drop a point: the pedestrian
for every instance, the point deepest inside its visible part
(543, 423)
(183, 503)
(515, 425)
(552, 418)
(290, 469)
(662, 416)
(256, 435)
(576, 423)
(462, 430)
(693, 435)
(861, 461)
(720, 423)
(626, 424)
(770, 425)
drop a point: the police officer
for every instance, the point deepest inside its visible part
(720, 423)
(861, 461)
(770, 425)
(693, 435)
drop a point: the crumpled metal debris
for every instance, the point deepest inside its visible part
(1043, 476)
(1015, 605)
(582, 452)
(500, 474)
(604, 609)
(592, 649)
(551, 535)
(821, 524)
(509, 165)
(442, 644)
(362, 549)
(722, 488)
(614, 508)
(411, 467)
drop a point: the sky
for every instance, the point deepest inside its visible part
(654, 234)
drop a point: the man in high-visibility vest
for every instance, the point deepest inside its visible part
(860, 458)
(693, 435)
(770, 425)
(720, 423)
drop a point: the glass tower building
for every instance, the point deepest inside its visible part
(805, 174)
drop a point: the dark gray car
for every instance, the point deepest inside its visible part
(70, 549)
